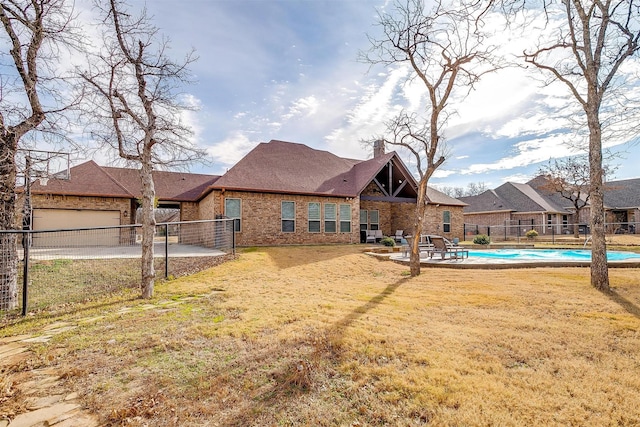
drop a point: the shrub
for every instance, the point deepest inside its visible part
(531, 234)
(388, 241)
(481, 239)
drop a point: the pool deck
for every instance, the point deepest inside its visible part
(496, 264)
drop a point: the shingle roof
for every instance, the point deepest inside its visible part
(90, 179)
(438, 197)
(488, 201)
(274, 167)
(623, 194)
(534, 197)
(286, 167)
(541, 185)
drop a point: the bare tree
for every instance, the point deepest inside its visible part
(37, 33)
(472, 189)
(585, 44)
(475, 188)
(570, 178)
(136, 105)
(444, 46)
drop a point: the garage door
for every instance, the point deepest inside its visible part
(51, 219)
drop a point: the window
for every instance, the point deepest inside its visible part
(549, 220)
(345, 218)
(374, 220)
(364, 220)
(446, 221)
(329, 217)
(288, 210)
(565, 221)
(233, 209)
(314, 217)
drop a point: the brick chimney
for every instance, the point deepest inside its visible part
(378, 148)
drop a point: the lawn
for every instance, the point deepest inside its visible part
(328, 336)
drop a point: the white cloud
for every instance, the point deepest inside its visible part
(527, 152)
(517, 178)
(303, 107)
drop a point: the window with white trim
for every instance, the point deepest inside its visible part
(446, 221)
(345, 218)
(233, 210)
(314, 217)
(329, 217)
(288, 217)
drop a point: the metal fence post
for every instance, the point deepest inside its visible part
(166, 251)
(25, 273)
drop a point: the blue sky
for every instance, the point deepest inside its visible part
(288, 70)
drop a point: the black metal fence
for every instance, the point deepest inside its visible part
(48, 269)
(551, 232)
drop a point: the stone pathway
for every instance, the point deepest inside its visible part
(46, 401)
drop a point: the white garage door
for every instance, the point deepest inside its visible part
(51, 219)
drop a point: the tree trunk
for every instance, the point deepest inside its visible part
(421, 205)
(8, 242)
(148, 228)
(599, 267)
(576, 225)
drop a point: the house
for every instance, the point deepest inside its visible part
(279, 193)
(104, 196)
(534, 204)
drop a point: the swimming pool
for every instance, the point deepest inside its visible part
(550, 255)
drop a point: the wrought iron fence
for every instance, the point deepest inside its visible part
(552, 232)
(48, 269)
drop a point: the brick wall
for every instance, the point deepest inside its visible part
(400, 215)
(261, 222)
(190, 211)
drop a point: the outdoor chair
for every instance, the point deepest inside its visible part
(371, 236)
(398, 236)
(445, 248)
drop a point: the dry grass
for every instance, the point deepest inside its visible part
(329, 336)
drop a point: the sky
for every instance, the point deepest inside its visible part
(289, 70)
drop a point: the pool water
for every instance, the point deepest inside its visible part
(551, 254)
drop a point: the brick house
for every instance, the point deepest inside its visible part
(279, 193)
(534, 204)
(287, 193)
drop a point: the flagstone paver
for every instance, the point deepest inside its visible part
(47, 403)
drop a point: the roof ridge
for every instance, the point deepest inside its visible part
(115, 181)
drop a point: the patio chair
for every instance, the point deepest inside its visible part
(398, 236)
(371, 236)
(445, 248)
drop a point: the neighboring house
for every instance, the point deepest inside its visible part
(622, 205)
(279, 193)
(533, 204)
